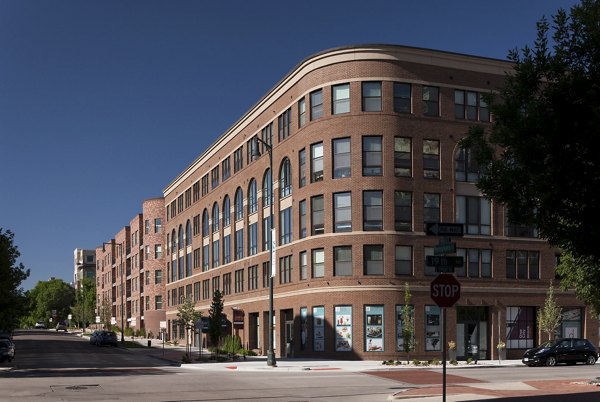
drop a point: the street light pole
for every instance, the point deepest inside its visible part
(271, 361)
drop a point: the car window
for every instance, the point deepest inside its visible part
(565, 344)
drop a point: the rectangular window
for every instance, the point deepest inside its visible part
(431, 159)
(157, 276)
(342, 261)
(205, 257)
(318, 263)
(225, 168)
(214, 177)
(302, 167)
(341, 98)
(180, 203)
(284, 124)
(285, 226)
(197, 259)
(341, 158)
(216, 255)
(285, 269)
(466, 167)
(318, 314)
(477, 263)
(484, 110)
(197, 293)
(157, 225)
(403, 211)
(266, 274)
(204, 185)
(206, 289)
(431, 208)
(373, 259)
(188, 198)
(253, 239)
(215, 284)
(433, 329)
(301, 112)
(317, 215)
(226, 249)
(303, 265)
(157, 251)
(342, 212)
(374, 329)
(459, 105)
(474, 213)
(265, 234)
(239, 244)
(147, 225)
(302, 219)
(238, 159)
(518, 230)
(402, 157)
(403, 264)
(226, 284)
(316, 104)
(522, 264)
(196, 225)
(173, 208)
(239, 281)
(431, 106)
(372, 156)
(316, 162)
(252, 153)
(371, 96)
(253, 277)
(158, 302)
(372, 210)
(520, 327)
(196, 191)
(402, 103)
(266, 135)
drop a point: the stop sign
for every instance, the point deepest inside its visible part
(445, 290)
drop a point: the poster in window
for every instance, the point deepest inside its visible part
(343, 328)
(303, 327)
(374, 328)
(318, 329)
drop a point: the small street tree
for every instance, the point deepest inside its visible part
(215, 319)
(550, 316)
(85, 301)
(187, 315)
(408, 324)
(106, 313)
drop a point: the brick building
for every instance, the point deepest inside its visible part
(129, 272)
(365, 153)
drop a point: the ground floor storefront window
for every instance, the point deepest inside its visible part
(520, 327)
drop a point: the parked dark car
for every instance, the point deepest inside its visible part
(564, 350)
(7, 350)
(102, 337)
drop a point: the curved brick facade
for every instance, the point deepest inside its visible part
(400, 149)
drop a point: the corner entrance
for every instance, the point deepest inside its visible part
(472, 333)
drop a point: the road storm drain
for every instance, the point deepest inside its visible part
(74, 387)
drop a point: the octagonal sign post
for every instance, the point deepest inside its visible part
(445, 290)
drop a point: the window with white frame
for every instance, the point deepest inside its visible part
(342, 212)
(341, 98)
(474, 213)
(371, 96)
(403, 260)
(342, 261)
(318, 263)
(372, 156)
(402, 98)
(341, 158)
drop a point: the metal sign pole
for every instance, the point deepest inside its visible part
(444, 353)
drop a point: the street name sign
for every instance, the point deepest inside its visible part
(444, 261)
(444, 229)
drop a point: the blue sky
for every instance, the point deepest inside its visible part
(103, 103)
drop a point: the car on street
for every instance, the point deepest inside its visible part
(61, 326)
(40, 325)
(7, 350)
(103, 337)
(562, 350)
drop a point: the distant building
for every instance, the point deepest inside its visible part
(84, 266)
(129, 271)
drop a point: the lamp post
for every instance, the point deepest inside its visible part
(270, 352)
(122, 294)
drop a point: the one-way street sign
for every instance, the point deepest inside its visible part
(444, 229)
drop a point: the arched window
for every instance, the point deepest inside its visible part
(252, 197)
(239, 204)
(266, 188)
(285, 178)
(188, 233)
(226, 212)
(215, 218)
(173, 241)
(180, 240)
(205, 223)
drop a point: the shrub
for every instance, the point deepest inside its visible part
(232, 344)
(434, 362)
(469, 360)
(416, 362)
(141, 333)
(128, 331)
(453, 362)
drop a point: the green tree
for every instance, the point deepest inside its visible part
(46, 297)
(583, 275)
(13, 302)
(540, 156)
(408, 324)
(215, 319)
(187, 315)
(550, 316)
(83, 311)
(106, 313)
